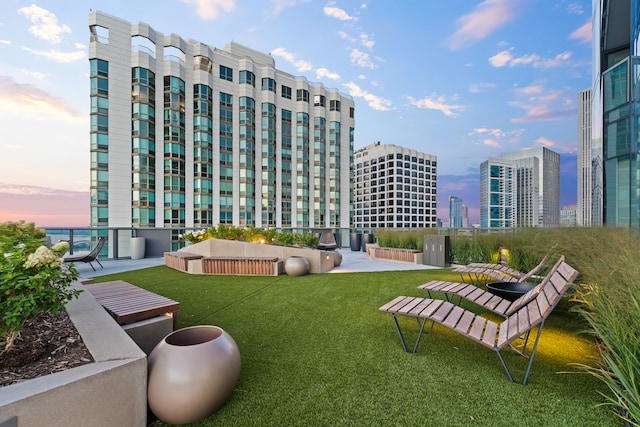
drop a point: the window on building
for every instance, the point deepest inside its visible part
(286, 92)
(302, 95)
(318, 100)
(334, 105)
(268, 84)
(226, 73)
(247, 77)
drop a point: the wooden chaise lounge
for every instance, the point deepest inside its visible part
(481, 297)
(484, 331)
(478, 272)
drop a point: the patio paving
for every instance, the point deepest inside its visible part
(352, 262)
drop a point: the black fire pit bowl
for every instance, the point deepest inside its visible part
(510, 290)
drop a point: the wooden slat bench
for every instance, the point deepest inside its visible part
(395, 254)
(179, 260)
(127, 303)
(244, 266)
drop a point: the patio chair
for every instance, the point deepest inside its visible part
(481, 330)
(476, 272)
(483, 298)
(90, 256)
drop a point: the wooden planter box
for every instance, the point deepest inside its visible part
(395, 254)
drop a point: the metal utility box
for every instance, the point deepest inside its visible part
(437, 251)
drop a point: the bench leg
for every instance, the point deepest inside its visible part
(402, 339)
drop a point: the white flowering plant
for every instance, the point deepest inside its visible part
(33, 279)
(194, 236)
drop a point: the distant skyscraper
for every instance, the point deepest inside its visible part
(497, 194)
(184, 135)
(568, 216)
(465, 216)
(395, 187)
(615, 129)
(583, 210)
(538, 187)
(455, 212)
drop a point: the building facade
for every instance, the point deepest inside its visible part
(537, 187)
(497, 194)
(455, 212)
(395, 187)
(568, 216)
(184, 134)
(615, 113)
(521, 189)
(585, 188)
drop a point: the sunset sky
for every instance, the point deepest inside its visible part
(463, 80)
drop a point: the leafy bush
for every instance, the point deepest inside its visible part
(33, 279)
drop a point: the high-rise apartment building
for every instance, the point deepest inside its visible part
(583, 208)
(521, 189)
(184, 134)
(497, 194)
(455, 212)
(537, 187)
(395, 187)
(615, 109)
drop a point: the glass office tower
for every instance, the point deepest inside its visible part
(615, 113)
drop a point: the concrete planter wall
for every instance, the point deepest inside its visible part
(112, 391)
(319, 261)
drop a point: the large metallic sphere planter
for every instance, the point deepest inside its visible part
(296, 266)
(192, 373)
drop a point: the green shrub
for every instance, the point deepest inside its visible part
(33, 279)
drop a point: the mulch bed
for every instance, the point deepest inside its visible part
(48, 344)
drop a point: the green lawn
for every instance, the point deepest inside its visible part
(317, 352)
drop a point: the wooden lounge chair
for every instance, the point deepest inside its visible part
(483, 298)
(478, 272)
(88, 257)
(484, 331)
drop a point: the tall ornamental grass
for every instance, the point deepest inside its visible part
(610, 294)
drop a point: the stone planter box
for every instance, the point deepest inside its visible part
(110, 391)
(396, 254)
(319, 261)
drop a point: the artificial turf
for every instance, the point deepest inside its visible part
(317, 352)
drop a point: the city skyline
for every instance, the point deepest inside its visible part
(463, 83)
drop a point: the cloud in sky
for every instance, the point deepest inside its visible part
(545, 142)
(481, 87)
(17, 95)
(300, 64)
(324, 72)
(487, 17)
(507, 59)
(211, 9)
(7, 42)
(280, 5)
(45, 24)
(542, 105)
(438, 103)
(335, 12)
(374, 101)
(366, 41)
(583, 34)
(494, 137)
(361, 59)
(575, 8)
(58, 56)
